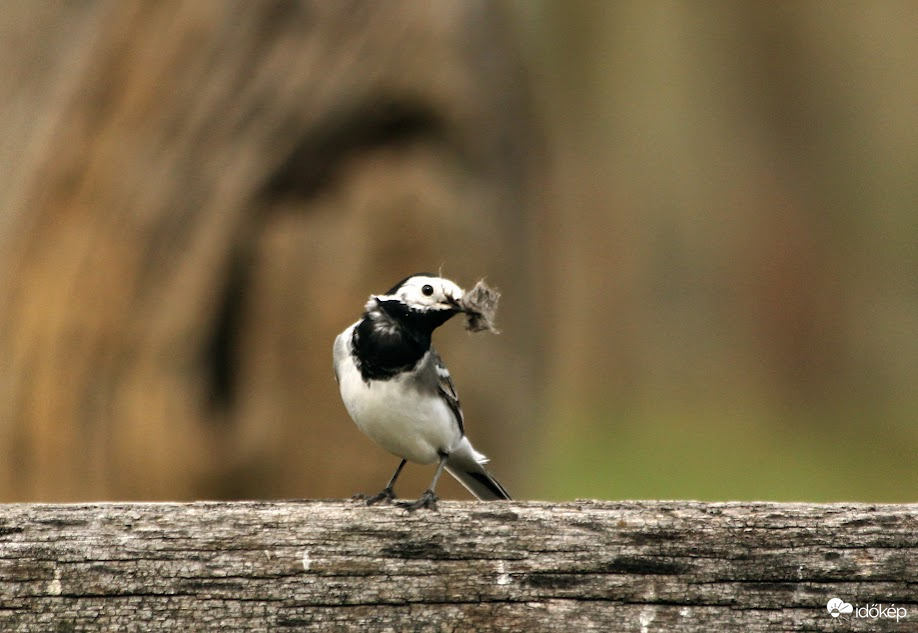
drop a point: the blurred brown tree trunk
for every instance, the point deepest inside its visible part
(197, 196)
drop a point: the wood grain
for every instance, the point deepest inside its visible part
(332, 565)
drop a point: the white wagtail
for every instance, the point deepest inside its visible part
(398, 391)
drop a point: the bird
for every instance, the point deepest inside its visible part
(398, 391)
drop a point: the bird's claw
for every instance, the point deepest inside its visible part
(387, 495)
(428, 501)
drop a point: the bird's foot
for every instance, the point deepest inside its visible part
(428, 500)
(387, 495)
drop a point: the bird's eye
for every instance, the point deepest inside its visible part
(427, 289)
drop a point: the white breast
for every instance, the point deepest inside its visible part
(394, 413)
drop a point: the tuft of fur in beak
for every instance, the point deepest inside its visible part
(480, 307)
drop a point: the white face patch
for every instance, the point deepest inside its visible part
(426, 293)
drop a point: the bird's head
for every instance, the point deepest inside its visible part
(424, 292)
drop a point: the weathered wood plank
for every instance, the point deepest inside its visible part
(330, 565)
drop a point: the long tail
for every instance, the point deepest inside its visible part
(467, 466)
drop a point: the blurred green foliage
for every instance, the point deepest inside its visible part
(730, 455)
(731, 250)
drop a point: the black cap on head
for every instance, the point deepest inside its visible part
(393, 289)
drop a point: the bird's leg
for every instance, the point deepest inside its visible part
(429, 498)
(387, 493)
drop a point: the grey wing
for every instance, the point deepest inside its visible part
(447, 389)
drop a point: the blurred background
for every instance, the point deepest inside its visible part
(702, 217)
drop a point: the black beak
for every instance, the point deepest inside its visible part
(453, 303)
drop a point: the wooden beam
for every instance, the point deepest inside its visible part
(535, 566)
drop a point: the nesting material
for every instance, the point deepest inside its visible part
(480, 307)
